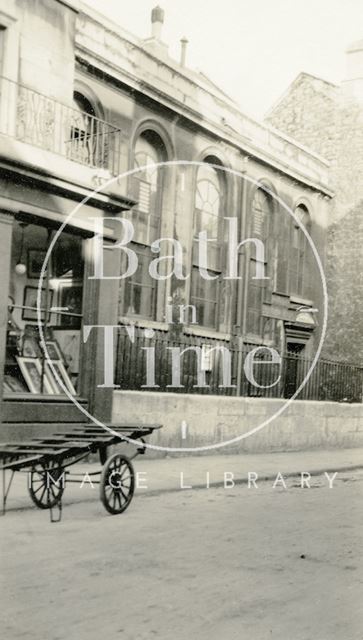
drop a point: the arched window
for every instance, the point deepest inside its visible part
(261, 223)
(208, 217)
(149, 151)
(261, 214)
(85, 137)
(147, 184)
(297, 254)
(82, 104)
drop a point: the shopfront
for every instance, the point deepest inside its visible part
(31, 393)
(26, 370)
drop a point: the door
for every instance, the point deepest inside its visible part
(292, 362)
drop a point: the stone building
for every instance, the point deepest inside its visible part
(82, 103)
(329, 119)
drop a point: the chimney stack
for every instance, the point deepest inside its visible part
(183, 51)
(157, 21)
(353, 81)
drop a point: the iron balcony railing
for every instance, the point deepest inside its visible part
(32, 117)
(331, 381)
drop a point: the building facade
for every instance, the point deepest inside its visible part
(329, 119)
(87, 111)
(49, 164)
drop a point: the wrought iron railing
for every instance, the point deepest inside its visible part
(331, 381)
(39, 120)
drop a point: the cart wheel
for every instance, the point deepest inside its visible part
(117, 484)
(46, 486)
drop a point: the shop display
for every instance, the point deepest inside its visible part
(26, 367)
(60, 371)
(70, 295)
(12, 383)
(30, 303)
(53, 350)
(35, 262)
(33, 375)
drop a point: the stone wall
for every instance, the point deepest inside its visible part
(46, 47)
(307, 113)
(345, 288)
(210, 419)
(329, 119)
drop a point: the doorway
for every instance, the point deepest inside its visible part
(292, 367)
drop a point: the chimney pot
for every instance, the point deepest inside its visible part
(157, 14)
(157, 21)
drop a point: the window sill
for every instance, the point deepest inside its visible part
(280, 294)
(142, 323)
(207, 333)
(35, 397)
(300, 300)
(257, 341)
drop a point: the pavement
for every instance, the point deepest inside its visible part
(155, 476)
(233, 564)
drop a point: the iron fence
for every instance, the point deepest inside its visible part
(188, 364)
(39, 120)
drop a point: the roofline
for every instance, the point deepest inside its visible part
(292, 84)
(199, 78)
(245, 145)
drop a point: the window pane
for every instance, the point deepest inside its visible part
(146, 187)
(204, 296)
(140, 288)
(261, 224)
(254, 310)
(297, 254)
(261, 214)
(208, 218)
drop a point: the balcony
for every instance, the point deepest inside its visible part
(36, 119)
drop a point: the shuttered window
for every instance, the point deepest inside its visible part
(139, 295)
(261, 222)
(208, 217)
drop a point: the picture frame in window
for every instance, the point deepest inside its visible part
(57, 389)
(71, 300)
(6, 387)
(35, 260)
(54, 351)
(63, 375)
(30, 300)
(33, 330)
(31, 370)
(30, 347)
(12, 384)
(69, 341)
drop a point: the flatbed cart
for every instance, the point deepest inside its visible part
(47, 460)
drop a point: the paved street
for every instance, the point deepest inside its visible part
(216, 563)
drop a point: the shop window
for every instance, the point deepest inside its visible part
(26, 368)
(208, 217)
(261, 224)
(139, 298)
